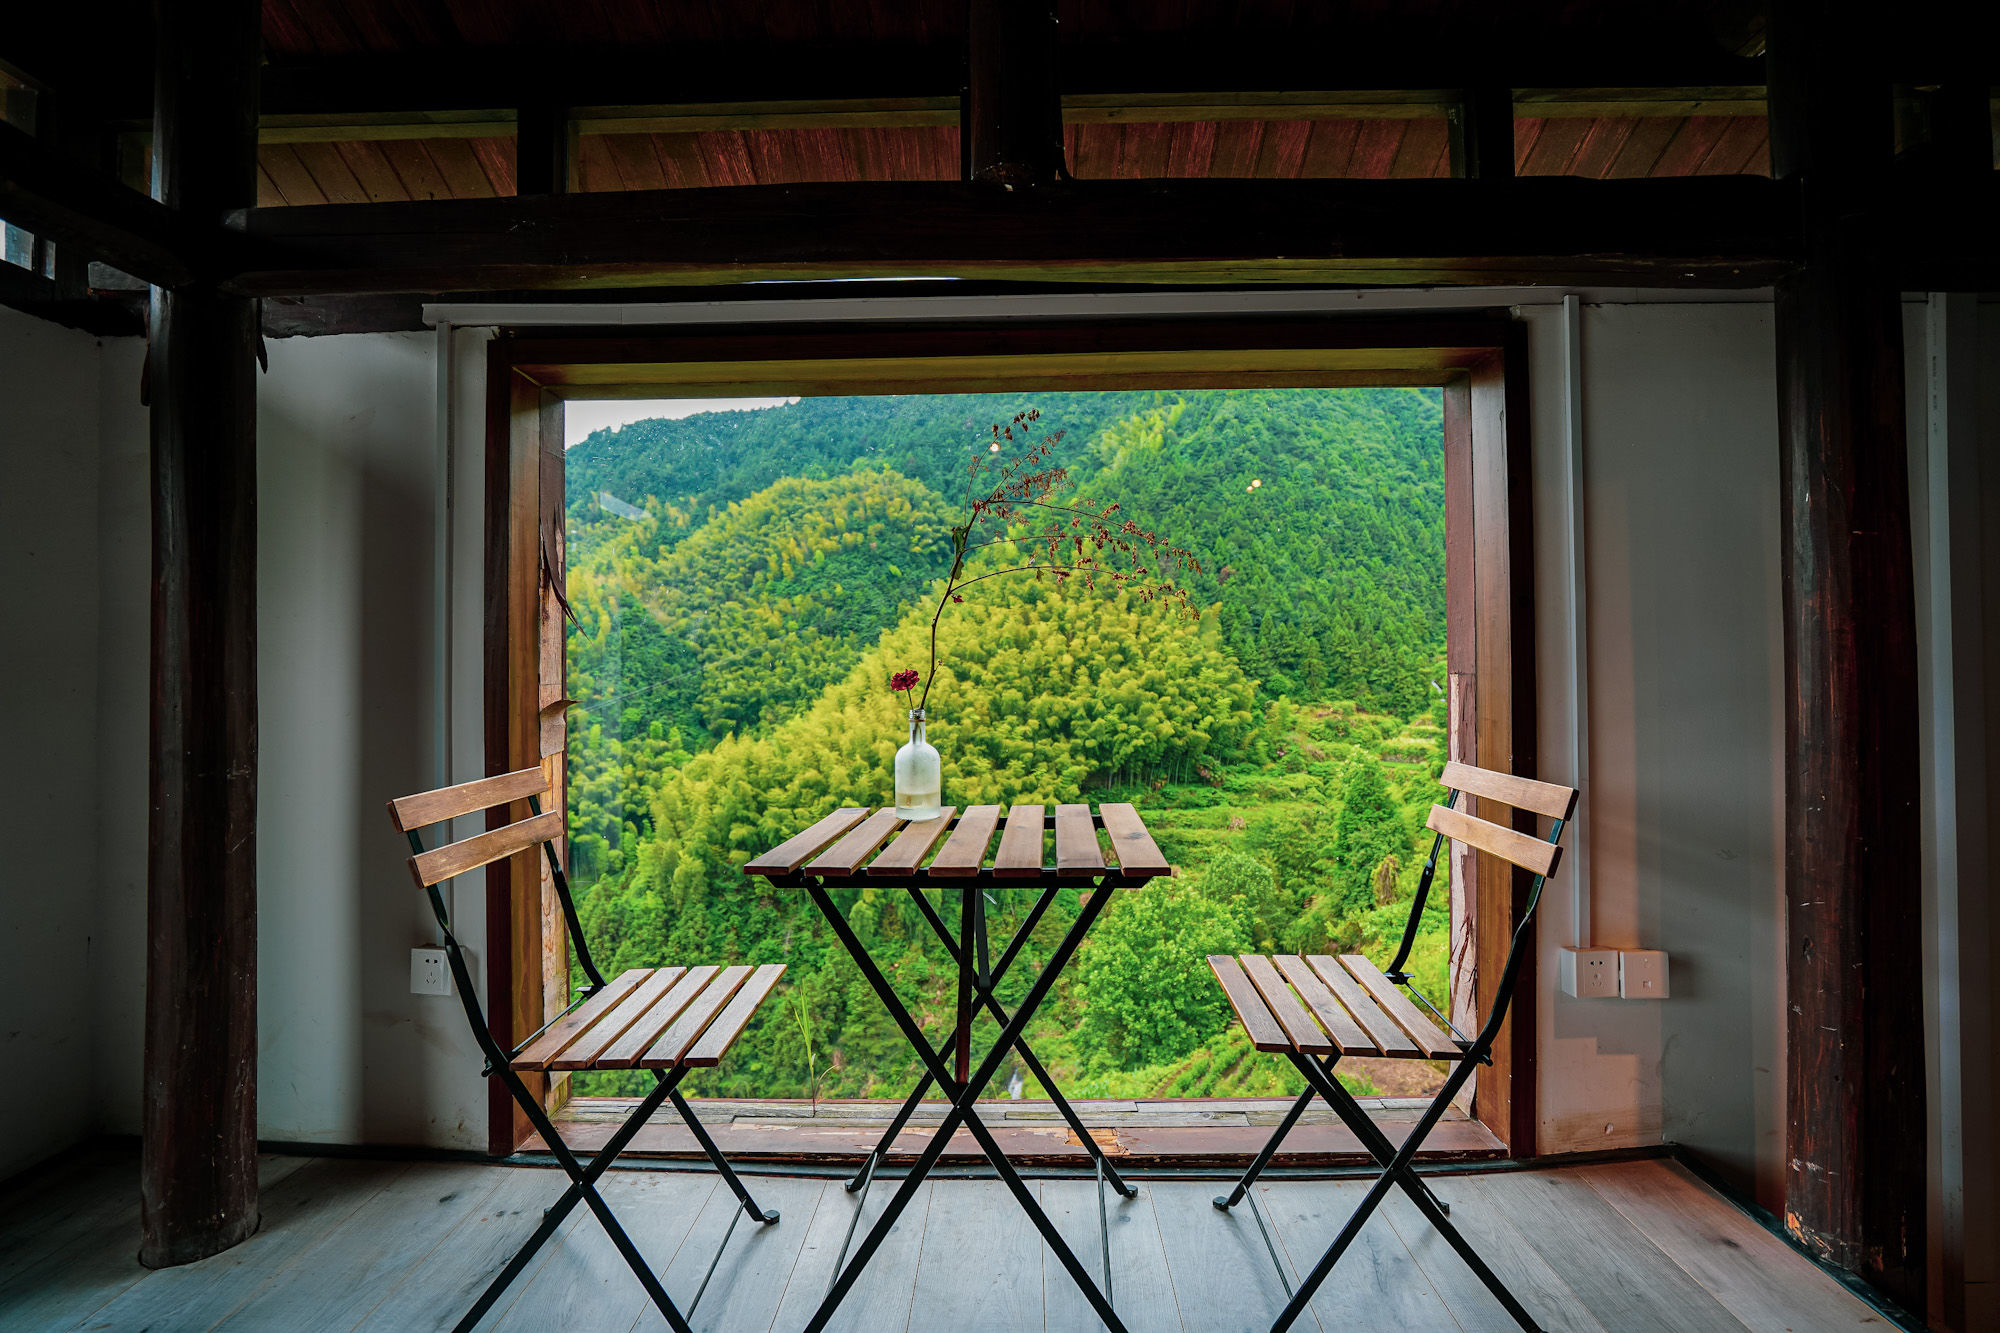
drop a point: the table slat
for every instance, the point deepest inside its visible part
(1137, 853)
(1265, 1034)
(1378, 1025)
(965, 851)
(694, 1020)
(1347, 1035)
(794, 851)
(845, 857)
(1020, 844)
(1077, 851)
(907, 852)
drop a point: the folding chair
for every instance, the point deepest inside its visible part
(667, 1020)
(1316, 1009)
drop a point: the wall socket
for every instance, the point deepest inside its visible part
(1642, 974)
(429, 973)
(1590, 974)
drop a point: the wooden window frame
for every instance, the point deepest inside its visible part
(1479, 360)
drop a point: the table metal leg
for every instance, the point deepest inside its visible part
(962, 1112)
(986, 998)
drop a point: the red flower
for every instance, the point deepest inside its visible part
(904, 680)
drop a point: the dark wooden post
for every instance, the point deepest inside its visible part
(1481, 140)
(1013, 113)
(1854, 1186)
(544, 150)
(199, 1167)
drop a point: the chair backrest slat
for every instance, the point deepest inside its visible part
(1544, 798)
(427, 808)
(440, 864)
(1527, 852)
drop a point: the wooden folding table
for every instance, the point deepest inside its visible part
(855, 847)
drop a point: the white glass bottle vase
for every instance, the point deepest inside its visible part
(919, 778)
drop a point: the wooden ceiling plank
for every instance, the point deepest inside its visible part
(330, 172)
(1329, 149)
(496, 160)
(1375, 149)
(413, 166)
(1640, 153)
(295, 183)
(457, 161)
(1425, 142)
(378, 180)
(1282, 154)
(1689, 148)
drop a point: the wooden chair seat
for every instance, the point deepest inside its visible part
(1319, 1005)
(654, 1018)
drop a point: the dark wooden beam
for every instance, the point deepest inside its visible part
(1855, 1144)
(198, 1171)
(1711, 231)
(1013, 112)
(76, 206)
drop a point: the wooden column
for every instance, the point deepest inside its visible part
(1854, 1185)
(199, 1164)
(1013, 113)
(1482, 134)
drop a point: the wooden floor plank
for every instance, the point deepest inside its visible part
(1537, 1286)
(1142, 1290)
(1223, 1279)
(351, 1268)
(1377, 1274)
(751, 1275)
(981, 1264)
(297, 1211)
(1621, 1277)
(80, 1252)
(1635, 1246)
(586, 1286)
(1767, 1285)
(433, 1295)
(880, 1299)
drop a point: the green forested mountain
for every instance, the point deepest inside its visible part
(730, 660)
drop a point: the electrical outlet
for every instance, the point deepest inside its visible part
(429, 973)
(1590, 974)
(1642, 974)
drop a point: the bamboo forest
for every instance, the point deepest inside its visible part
(744, 583)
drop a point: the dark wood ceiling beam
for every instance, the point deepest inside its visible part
(1427, 59)
(72, 205)
(1726, 231)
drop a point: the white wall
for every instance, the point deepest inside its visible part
(49, 813)
(346, 495)
(1685, 794)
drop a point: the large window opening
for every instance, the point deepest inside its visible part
(745, 575)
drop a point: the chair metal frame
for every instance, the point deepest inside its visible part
(583, 1179)
(1396, 1163)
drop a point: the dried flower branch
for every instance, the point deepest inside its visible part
(1092, 544)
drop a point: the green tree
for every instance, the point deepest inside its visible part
(1148, 994)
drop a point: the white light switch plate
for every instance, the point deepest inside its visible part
(1642, 974)
(1590, 974)
(429, 973)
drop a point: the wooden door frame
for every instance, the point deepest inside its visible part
(1478, 359)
